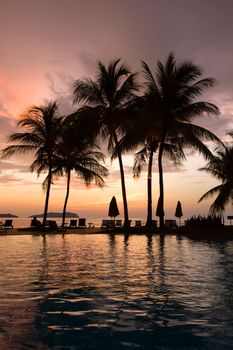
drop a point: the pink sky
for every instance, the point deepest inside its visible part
(46, 45)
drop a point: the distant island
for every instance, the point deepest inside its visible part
(8, 216)
(55, 215)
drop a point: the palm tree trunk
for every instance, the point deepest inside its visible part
(161, 187)
(66, 199)
(149, 194)
(47, 197)
(125, 205)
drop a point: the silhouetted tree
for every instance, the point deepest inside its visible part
(77, 153)
(171, 105)
(145, 157)
(42, 128)
(221, 167)
(105, 98)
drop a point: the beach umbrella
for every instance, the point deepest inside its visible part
(178, 212)
(113, 208)
(159, 210)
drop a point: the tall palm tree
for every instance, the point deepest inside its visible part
(171, 105)
(104, 100)
(77, 153)
(141, 157)
(220, 167)
(42, 128)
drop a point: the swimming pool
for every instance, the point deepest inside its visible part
(104, 292)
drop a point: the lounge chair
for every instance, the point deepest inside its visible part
(111, 225)
(129, 223)
(154, 223)
(138, 223)
(108, 225)
(118, 223)
(35, 224)
(8, 224)
(2, 228)
(51, 225)
(73, 224)
(170, 223)
(82, 222)
(104, 223)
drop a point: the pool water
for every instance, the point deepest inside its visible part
(115, 292)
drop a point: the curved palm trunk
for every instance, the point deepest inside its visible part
(66, 198)
(125, 205)
(161, 187)
(47, 198)
(149, 192)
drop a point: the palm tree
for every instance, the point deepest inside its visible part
(77, 153)
(146, 154)
(171, 105)
(220, 167)
(42, 128)
(141, 157)
(104, 101)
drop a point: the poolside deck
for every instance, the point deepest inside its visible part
(222, 231)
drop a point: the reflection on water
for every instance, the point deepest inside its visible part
(115, 292)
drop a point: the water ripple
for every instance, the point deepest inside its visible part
(105, 292)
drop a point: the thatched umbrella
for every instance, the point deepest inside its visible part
(179, 212)
(113, 208)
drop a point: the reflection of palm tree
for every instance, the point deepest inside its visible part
(104, 101)
(221, 167)
(42, 126)
(75, 152)
(171, 106)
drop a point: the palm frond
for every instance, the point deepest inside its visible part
(126, 91)
(210, 193)
(174, 152)
(29, 138)
(196, 109)
(225, 195)
(140, 160)
(151, 84)
(16, 149)
(87, 91)
(200, 132)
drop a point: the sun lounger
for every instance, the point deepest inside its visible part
(154, 223)
(118, 223)
(73, 224)
(2, 228)
(35, 224)
(108, 225)
(8, 224)
(170, 223)
(138, 223)
(82, 223)
(104, 223)
(51, 225)
(111, 225)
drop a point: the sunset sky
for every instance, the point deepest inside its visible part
(46, 45)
